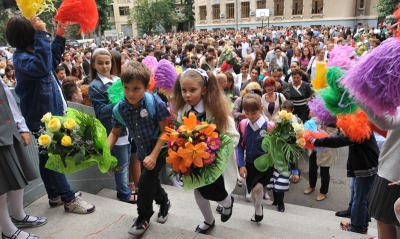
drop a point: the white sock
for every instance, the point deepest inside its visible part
(16, 202)
(205, 209)
(5, 221)
(257, 195)
(226, 203)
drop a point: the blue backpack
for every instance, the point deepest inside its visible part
(150, 107)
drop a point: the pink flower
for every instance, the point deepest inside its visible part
(210, 159)
(214, 143)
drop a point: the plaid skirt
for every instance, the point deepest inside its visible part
(381, 201)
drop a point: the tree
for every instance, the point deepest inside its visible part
(104, 7)
(386, 7)
(188, 12)
(148, 14)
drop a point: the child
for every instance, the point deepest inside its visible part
(197, 91)
(101, 78)
(250, 142)
(16, 169)
(39, 92)
(362, 164)
(142, 126)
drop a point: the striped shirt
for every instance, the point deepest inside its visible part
(299, 94)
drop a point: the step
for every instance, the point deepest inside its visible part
(112, 219)
(297, 219)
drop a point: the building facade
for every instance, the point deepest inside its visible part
(118, 17)
(239, 14)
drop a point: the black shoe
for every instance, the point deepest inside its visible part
(16, 233)
(219, 208)
(163, 213)
(281, 207)
(40, 221)
(257, 218)
(199, 230)
(343, 214)
(224, 217)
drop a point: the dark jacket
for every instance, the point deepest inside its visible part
(363, 157)
(37, 85)
(102, 106)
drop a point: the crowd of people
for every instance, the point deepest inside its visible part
(274, 71)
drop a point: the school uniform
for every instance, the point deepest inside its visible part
(142, 127)
(226, 183)
(250, 144)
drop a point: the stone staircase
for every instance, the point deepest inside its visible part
(113, 218)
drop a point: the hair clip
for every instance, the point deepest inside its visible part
(202, 72)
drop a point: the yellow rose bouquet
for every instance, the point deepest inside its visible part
(75, 142)
(283, 144)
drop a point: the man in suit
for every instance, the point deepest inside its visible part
(86, 62)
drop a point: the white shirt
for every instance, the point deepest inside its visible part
(199, 107)
(258, 124)
(245, 47)
(18, 118)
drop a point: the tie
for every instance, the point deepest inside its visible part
(193, 110)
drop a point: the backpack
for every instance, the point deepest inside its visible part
(150, 107)
(243, 126)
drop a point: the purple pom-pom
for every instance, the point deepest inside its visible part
(342, 56)
(317, 107)
(375, 80)
(150, 62)
(165, 75)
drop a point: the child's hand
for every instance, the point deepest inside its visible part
(38, 24)
(26, 137)
(243, 172)
(61, 29)
(149, 162)
(394, 183)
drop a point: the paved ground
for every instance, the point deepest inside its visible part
(338, 196)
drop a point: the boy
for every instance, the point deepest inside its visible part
(72, 92)
(142, 126)
(60, 72)
(362, 164)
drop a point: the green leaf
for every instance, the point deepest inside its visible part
(79, 158)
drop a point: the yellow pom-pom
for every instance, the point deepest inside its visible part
(319, 81)
(30, 8)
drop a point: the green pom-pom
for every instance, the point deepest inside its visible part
(332, 77)
(332, 98)
(116, 92)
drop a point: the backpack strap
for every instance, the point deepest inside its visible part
(243, 126)
(151, 108)
(117, 115)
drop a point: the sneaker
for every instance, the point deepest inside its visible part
(266, 196)
(163, 213)
(139, 227)
(239, 183)
(345, 226)
(79, 206)
(58, 202)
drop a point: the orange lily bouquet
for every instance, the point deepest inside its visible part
(196, 150)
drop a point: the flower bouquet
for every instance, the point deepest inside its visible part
(228, 59)
(283, 144)
(75, 142)
(197, 152)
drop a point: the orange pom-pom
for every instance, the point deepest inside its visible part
(312, 134)
(81, 12)
(151, 85)
(356, 126)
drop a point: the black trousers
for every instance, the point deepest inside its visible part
(323, 171)
(150, 189)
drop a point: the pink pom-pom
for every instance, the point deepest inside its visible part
(150, 62)
(342, 56)
(165, 75)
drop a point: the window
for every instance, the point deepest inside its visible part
(123, 11)
(245, 7)
(317, 6)
(216, 11)
(111, 13)
(279, 7)
(297, 7)
(261, 4)
(230, 10)
(362, 4)
(203, 12)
